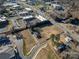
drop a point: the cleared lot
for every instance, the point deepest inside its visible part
(46, 32)
(28, 41)
(46, 53)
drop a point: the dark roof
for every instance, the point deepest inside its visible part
(4, 40)
(61, 47)
(37, 23)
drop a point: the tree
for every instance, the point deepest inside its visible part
(2, 1)
(55, 39)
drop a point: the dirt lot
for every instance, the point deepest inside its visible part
(47, 31)
(28, 41)
(74, 29)
(46, 53)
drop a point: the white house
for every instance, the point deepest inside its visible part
(67, 39)
(39, 17)
(28, 17)
(28, 9)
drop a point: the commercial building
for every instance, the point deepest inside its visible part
(25, 15)
(38, 21)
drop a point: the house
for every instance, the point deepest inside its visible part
(68, 39)
(23, 13)
(29, 9)
(2, 18)
(28, 17)
(39, 17)
(56, 5)
(61, 48)
(37, 34)
(16, 6)
(48, 3)
(9, 4)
